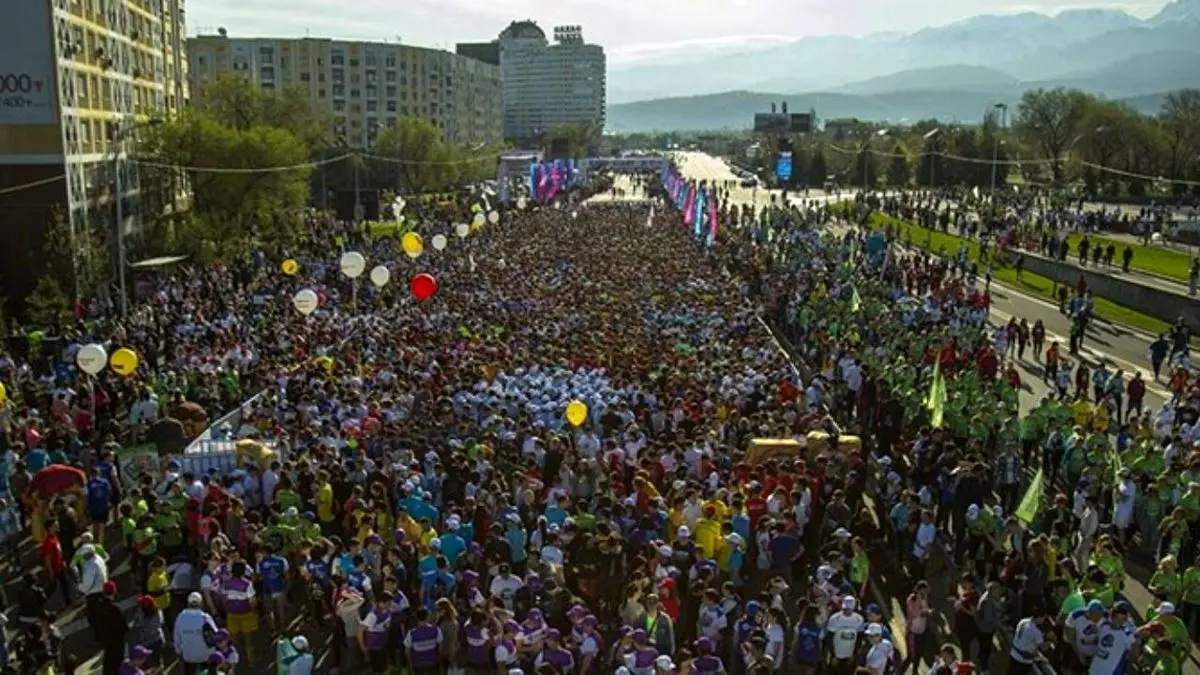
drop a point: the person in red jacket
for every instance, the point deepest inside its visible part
(1135, 391)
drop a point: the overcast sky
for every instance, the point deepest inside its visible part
(630, 30)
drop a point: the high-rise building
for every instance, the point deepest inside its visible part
(548, 85)
(78, 78)
(364, 86)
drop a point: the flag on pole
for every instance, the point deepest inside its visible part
(1031, 503)
(936, 401)
(856, 302)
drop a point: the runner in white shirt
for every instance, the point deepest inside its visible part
(880, 652)
(1085, 625)
(1114, 643)
(844, 628)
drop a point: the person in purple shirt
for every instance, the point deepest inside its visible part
(373, 635)
(554, 655)
(478, 640)
(137, 658)
(705, 662)
(423, 644)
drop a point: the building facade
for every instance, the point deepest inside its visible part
(548, 85)
(364, 86)
(78, 78)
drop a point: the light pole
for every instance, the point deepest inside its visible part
(1001, 119)
(929, 136)
(879, 133)
(123, 132)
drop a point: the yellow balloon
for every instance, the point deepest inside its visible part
(124, 361)
(412, 243)
(289, 267)
(3, 393)
(475, 208)
(577, 412)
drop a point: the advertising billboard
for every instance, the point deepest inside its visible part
(801, 123)
(27, 84)
(783, 167)
(772, 123)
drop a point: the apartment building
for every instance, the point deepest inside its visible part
(548, 85)
(78, 78)
(364, 86)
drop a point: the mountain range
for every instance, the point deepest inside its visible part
(953, 71)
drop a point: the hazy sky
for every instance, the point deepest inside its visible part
(630, 30)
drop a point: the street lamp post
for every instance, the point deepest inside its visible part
(1003, 108)
(123, 132)
(866, 155)
(929, 136)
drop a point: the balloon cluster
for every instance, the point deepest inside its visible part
(93, 358)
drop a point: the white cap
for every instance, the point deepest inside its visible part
(453, 523)
(849, 603)
(300, 643)
(874, 630)
(194, 599)
(664, 663)
(87, 550)
(842, 533)
(1165, 608)
(435, 544)
(683, 532)
(664, 551)
(893, 477)
(973, 511)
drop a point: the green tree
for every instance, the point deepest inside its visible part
(579, 138)
(413, 158)
(1180, 119)
(49, 307)
(899, 171)
(235, 102)
(817, 169)
(866, 169)
(1051, 119)
(248, 182)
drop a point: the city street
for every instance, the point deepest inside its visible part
(1118, 346)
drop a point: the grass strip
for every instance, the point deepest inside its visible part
(1150, 259)
(946, 245)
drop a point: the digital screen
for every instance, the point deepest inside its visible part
(772, 123)
(783, 166)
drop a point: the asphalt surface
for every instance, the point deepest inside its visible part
(1119, 346)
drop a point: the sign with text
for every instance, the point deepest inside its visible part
(783, 167)
(27, 84)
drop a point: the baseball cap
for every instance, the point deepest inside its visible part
(139, 652)
(849, 603)
(194, 599)
(874, 630)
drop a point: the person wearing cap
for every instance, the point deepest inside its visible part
(223, 646)
(664, 664)
(302, 662)
(1117, 638)
(553, 653)
(189, 635)
(147, 628)
(880, 652)
(844, 629)
(1083, 627)
(452, 543)
(750, 623)
(138, 657)
(373, 633)
(1172, 627)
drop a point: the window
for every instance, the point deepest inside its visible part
(390, 61)
(391, 106)
(339, 106)
(337, 58)
(372, 59)
(339, 90)
(372, 106)
(390, 91)
(389, 76)
(355, 78)
(372, 91)
(355, 93)
(353, 63)
(305, 77)
(338, 75)
(320, 93)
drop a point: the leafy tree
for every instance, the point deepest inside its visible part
(817, 170)
(579, 138)
(866, 170)
(899, 172)
(248, 181)
(1051, 118)
(414, 158)
(1181, 130)
(49, 306)
(237, 103)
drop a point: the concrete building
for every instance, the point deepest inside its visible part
(549, 85)
(79, 78)
(364, 86)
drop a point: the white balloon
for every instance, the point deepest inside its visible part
(380, 276)
(439, 242)
(353, 264)
(91, 359)
(494, 217)
(574, 214)
(522, 203)
(462, 230)
(305, 301)
(558, 205)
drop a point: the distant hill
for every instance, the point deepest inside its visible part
(945, 78)
(735, 109)
(1029, 47)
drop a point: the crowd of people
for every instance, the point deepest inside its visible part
(592, 394)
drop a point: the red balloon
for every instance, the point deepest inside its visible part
(423, 286)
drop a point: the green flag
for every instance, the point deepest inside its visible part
(936, 400)
(855, 301)
(1031, 503)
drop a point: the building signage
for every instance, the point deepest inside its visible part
(27, 84)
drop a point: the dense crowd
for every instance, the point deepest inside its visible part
(591, 394)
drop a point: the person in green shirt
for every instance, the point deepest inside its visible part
(1190, 598)
(168, 523)
(860, 566)
(1164, 660)
(1176, 631)
(286, 496)
(1166, 584)
(145, 547)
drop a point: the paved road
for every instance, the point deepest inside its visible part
(1119, 346)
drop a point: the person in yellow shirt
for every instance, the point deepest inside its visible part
(1081, 411)
(405, 523)
(707, 534)
(158, 583)
(675, 516)
(325, 501)
(1101, 418)
(719, 507)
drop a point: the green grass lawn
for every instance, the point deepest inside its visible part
(1150, 259)
(945, 244)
